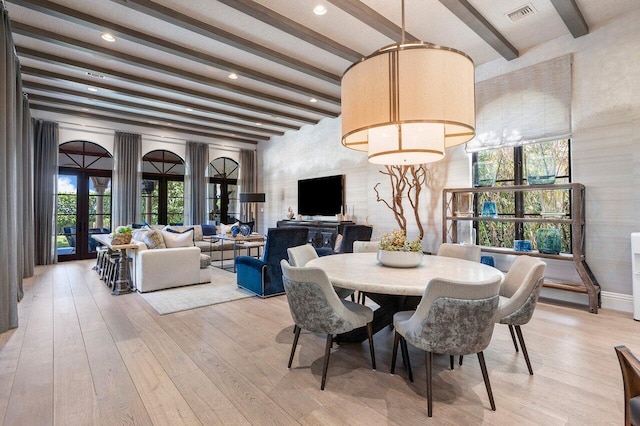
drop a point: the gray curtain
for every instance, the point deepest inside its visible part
(11, 179)
(127, 182)
(28, 226)
(45, 147)
(248, 179)
(195, 183)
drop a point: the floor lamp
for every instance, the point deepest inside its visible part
(252, 198)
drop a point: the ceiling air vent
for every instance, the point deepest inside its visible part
(93, 74)
(522, 12)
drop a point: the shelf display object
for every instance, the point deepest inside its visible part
(554, 226)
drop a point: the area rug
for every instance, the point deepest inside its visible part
(222, 288)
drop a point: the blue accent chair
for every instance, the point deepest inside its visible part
(350, 234)
(264, 276)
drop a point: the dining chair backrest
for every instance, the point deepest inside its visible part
(454, 318)
(313, 303)
(365, 246)
(460, 251)
(353, 233)
(521, 286)
(300, 255)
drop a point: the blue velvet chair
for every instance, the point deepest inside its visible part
(350, 234)
(264, 276)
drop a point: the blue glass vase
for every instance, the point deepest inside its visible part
(489, 209)
(549, 241)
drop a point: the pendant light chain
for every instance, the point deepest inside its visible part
(402, 2)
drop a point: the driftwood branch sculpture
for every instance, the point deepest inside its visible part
(406, 182)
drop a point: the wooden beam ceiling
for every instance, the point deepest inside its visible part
(367, 15)
(474, 20)
(276, 20)
(183, 21)
(42, 107)
(89, 21)
(572, 17)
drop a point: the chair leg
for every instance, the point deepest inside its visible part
(513, 337)
(373, 354)
(405, 357)
(460, 360)
(429, 364)
(327, 352)
(296, 331)
(524, 348)
(485, 376)
(450, 362)
(353, 297)
(394, 354)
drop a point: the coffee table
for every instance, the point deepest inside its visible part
(250, 241)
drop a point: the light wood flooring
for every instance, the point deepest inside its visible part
(84, 357)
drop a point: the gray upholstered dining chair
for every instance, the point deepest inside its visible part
(315, 307)
(452, 318)
(365, 246)
(630, 368)
(460, 251)
(301, 255)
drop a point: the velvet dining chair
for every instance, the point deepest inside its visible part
(315, 307)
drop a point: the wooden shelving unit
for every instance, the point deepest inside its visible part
(576, 220)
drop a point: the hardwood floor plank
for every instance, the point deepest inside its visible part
(74, 396)
(226, 364)
(31, 399)
(163, 401)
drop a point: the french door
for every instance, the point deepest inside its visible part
(83, 208)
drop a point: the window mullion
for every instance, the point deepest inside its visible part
(519, 195)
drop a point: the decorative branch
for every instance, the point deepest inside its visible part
(406, 181)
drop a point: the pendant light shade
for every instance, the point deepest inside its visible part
(407, 102)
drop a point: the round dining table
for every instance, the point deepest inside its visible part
(395, 289)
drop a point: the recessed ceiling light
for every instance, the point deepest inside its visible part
(258, 124)
(189, 109)
(85, 109)
(92, 89)
(319, 10)
(108, 37)
(233, 76)
(313, 100)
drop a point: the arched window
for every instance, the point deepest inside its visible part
(83, 200)
(162, 188)
(223, 191)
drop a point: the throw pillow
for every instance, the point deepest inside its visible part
(336, 248)
(173, 239)
(208, 229)
(152, 238)
(181, 230)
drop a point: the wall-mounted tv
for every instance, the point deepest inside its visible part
(320, 196)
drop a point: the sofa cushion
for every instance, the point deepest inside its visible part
(172, 239)
(205, 261)
(152, 238)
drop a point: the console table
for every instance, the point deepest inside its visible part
(327, 228)
(123, 283)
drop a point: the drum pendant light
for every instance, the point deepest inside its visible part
(407, 102)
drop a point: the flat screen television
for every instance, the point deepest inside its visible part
(320, 196)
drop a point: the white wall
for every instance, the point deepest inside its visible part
(606, 129)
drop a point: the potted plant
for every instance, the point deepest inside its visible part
(122, 235)
(396, 251)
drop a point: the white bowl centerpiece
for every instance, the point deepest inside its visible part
(395, 251)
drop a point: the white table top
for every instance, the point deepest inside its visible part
(362, 271)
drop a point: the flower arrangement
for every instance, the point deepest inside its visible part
(122, 235)
(397, 241)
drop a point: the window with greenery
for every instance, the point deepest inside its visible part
(512, 166)
(224, 206)
(162, 188)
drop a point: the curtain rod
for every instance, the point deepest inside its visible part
(158, 138)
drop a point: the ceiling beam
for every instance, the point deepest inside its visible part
(98, 24)
(150, 65)
(178, 90)
(33, 97)
(41, 107)
(29, 86)
(291, 27)
(157, 98)
(367, 15)
(572, 17)
(474, 20)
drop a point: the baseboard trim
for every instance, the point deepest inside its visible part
(610, 300)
